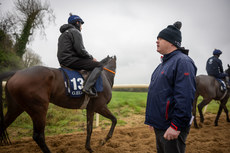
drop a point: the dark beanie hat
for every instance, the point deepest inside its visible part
(172, 34)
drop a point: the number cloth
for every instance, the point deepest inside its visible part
(74, 83)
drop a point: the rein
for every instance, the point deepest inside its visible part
(109, 70)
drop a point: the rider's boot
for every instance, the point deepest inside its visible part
(90, 82)
(227, 82)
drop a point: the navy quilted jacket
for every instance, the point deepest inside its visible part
(214, 66)
(171, 92)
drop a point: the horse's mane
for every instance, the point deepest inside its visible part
(228, 70)
(105, 60)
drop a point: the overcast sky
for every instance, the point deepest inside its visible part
(129, 28)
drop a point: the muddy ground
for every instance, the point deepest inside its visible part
(135, 138)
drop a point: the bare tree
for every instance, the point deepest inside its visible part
(7, 23)
(30, 58)
(31, 15)
(17, 28)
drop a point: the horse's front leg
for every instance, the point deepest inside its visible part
(226, 110)
(194, 112)
(201, 106)
(90, 115)
(218, 115)
(222, 105)
(104, 111)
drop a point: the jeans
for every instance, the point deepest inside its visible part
(171, 146)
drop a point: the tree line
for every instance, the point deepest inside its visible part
(17, 29)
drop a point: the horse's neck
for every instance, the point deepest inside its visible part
(109, 76)
(228, 71)
(109, 70)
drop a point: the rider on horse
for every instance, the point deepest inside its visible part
(72, 53)
(214, 67)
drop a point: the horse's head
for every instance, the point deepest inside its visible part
(228, 70)
(110, 62)
(110, 68)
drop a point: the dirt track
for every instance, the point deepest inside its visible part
(138, 139)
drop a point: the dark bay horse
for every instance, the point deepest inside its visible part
(209, 88)
(32, 89)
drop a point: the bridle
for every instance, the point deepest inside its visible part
(109, 70)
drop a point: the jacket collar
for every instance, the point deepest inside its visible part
(168, 56)
(65, 27)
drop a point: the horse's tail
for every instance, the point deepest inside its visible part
(4, 139)
(197, 91)
(197, 83)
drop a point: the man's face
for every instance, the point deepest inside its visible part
(80, 25)
(163, 46)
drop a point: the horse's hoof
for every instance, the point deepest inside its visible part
(200, 125)
(90, 150)
(195, 125)
(102, 142)
(216, 124)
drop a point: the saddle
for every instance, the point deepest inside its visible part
(74, 81)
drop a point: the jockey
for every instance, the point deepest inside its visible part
(214, 67)
(72, 53)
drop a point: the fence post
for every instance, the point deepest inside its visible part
(97, 119)
(3, 83)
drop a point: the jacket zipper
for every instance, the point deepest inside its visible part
(167, 107)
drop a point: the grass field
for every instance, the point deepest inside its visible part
(60, 120)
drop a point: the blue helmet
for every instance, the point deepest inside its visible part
(74, 18)
(217, 52)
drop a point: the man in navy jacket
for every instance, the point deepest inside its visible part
(214, 67)
(171, 93)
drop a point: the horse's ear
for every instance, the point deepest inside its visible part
(228, 65)
(115, 57)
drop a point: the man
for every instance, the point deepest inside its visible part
(214, 67)
(72, 54)
(171, 93)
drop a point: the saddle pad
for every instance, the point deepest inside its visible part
(74, 82)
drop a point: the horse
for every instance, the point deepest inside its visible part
(209, 88)
(32, 89)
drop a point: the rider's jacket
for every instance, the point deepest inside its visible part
(214, 67)
(70, 46)
(171, 92)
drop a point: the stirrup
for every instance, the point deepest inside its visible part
(92, 93)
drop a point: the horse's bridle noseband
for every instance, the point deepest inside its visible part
(109, 70)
